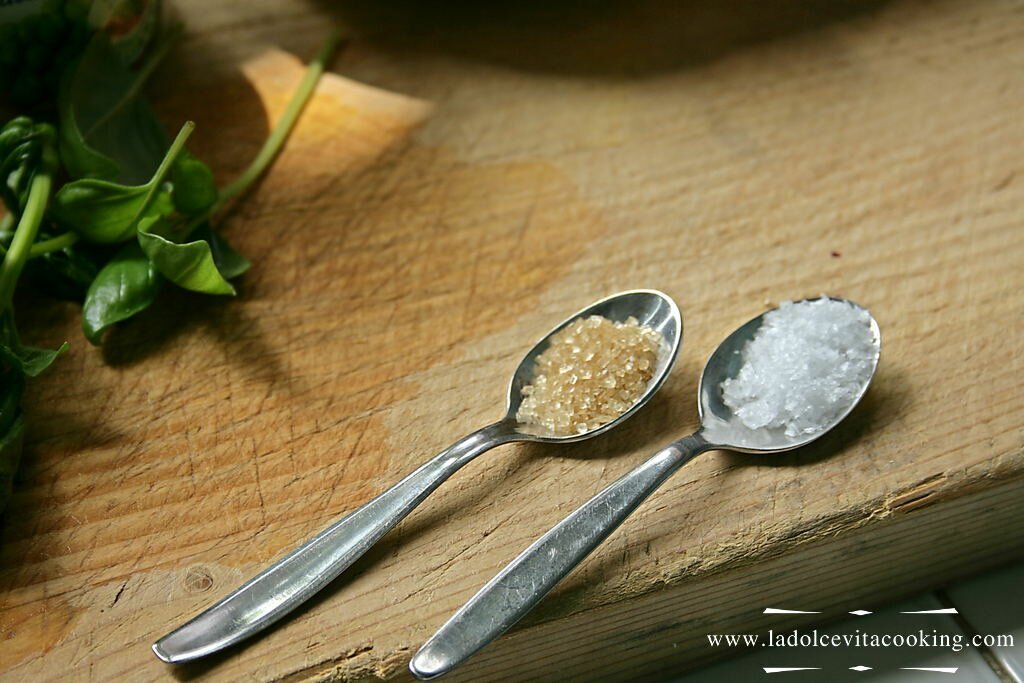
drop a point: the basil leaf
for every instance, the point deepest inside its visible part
(189, 265)
(26, 360)
(67, 273)
(30, 360)
(106, 212)
(10, 454)
(146, 142)
(229, 262)
(194, 189)
(81, 160)
(125, 286)
(103, 135)
(99, 210)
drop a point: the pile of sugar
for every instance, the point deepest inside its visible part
(804, 367)
(592, 372)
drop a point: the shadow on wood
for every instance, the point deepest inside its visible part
(610, 38)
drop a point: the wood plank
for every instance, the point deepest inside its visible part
(474, 178)
(653, 636)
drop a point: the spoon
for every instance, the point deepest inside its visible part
(295, 578)
(507, 597)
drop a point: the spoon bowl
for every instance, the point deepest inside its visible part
(295, 578)
(722, 427)
(648, 307)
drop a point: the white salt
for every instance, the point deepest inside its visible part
(804, 367)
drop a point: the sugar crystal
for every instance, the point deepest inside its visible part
(592, 372)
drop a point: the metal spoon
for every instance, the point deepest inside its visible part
(507, 597)
(292, 580)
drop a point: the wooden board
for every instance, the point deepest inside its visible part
(476, 176)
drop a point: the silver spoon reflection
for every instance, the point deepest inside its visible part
(292, 580)
(511, 594)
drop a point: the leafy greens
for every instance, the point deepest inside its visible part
(133, 217)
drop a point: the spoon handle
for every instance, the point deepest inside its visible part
(507, 597)
(292, 580)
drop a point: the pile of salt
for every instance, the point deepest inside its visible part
(804, 367)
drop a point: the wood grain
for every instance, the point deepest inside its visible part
(473, 177)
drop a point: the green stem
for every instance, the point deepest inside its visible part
(280, 133)
(24, 236)
(165, 165)
(156, 56)
(53, 244)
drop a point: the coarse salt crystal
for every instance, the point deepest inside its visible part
(804, 367)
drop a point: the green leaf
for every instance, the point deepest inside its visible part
(22, 359)
(127, 285)
(10, 455)
(78, 157)
(99, 210)
(229, 262)
(26, 148)
(189, 265)
(108, 213)
(65, 273)
(30, 360)
(194, 189)
(14, 133)
(106, 130)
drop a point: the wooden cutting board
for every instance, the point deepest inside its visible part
(476, 176)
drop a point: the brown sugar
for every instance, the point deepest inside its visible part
(592, 372)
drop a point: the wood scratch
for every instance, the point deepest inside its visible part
(259, 484)
(119, 592)
(921, 494)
